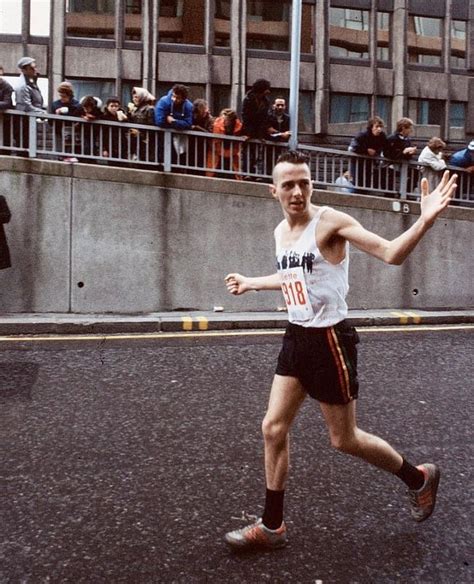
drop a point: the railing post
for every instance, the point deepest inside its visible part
(167, 146)
(403, 180)
(32, 136)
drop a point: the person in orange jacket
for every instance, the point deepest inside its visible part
(225, 154)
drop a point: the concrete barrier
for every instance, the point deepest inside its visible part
(87, 238)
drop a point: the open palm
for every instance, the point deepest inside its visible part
(433, 203)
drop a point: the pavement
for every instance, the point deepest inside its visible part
(217, 320)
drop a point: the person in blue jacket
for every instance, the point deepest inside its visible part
(464, 158)
(174, 110)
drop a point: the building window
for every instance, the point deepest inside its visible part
(458, 44)
(427, 112)
(220, 98)
(133, 20)
(346, 108)
(348, 33)
(182, 21)
(10, 17)
(100, 89)
(425, 40)
(383, 109)
(383, 36)
(39, 17)
(222, 16)
(307, 29)
(457, 115)
(90, 19)
(268, 25)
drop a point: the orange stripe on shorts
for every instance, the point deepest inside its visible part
(341, 366)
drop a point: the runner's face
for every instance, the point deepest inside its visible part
(292, 186)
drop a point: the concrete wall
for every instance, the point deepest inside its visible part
(97, 239)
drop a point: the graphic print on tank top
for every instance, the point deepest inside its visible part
(314, 289)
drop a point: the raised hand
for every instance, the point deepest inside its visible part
(433, 203)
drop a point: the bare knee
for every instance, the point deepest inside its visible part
(274, 432)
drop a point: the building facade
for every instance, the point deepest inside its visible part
(359, 58)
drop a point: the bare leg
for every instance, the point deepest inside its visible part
(286, 397)
(348, 438)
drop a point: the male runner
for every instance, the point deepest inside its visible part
(319, 354)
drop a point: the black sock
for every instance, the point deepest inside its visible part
(273, 512)
(411, 476)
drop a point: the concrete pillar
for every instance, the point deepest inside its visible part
(210, 9)
(119, 37)
(470, 66)
(445, 130)
(150, 14)
(56, 46)
(373, 55)
(321, 106)
(238, 49)
(399, 44)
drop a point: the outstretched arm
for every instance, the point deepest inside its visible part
(238, 284)
(397, 250)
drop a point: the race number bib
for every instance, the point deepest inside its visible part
(294, 290)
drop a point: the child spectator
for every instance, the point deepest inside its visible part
(142, 112)
(90, 134)
(433, 164)
(344, 183)
(64, 132)
(202, 122)
(225, 154)
(114, 140)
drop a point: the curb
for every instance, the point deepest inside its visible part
(47, 324)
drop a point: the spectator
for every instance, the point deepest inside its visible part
(256, 124)
(28, 99)
(225, 154)
(175, 111)
(433, 164)
(5, 216)
(464, 158)
(398, 145)
(6, 91)
(344, 183)
(27, 93)
(371, 142)
(279, 122)
(66, 105)
(142, 112)
(399, 148)
(202, 122)
(90, 133)
(114, 140)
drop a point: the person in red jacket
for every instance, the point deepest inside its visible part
(225, 154)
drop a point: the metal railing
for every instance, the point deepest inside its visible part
(214, 155)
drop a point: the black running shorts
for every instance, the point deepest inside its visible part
(323, 359)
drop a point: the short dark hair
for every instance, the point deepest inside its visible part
(180, 90)
(293, 157)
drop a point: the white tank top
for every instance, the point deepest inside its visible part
(314, 289)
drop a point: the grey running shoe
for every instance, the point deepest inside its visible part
(423, 500)
(255, 536)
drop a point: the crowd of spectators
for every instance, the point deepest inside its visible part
(260, 122)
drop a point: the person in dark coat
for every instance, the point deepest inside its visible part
(371, 142)
(6, 91)
(256, 123)
(5, 215)
(114, 139)
(400, 148)
(66, 135)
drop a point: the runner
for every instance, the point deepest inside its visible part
(319, 353)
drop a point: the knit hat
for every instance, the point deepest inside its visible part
(24, 62)
(471, 145)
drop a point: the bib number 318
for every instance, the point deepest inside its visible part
(294, 290)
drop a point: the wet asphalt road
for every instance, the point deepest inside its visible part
(126, 461)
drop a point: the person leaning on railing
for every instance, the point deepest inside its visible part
(142, 112)
(225, 154)
(203, 122)
(114, 140)
(464, 158)
(399, 148)
(432, 162)
(370, 142)
(6, 92)
(66, 105)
